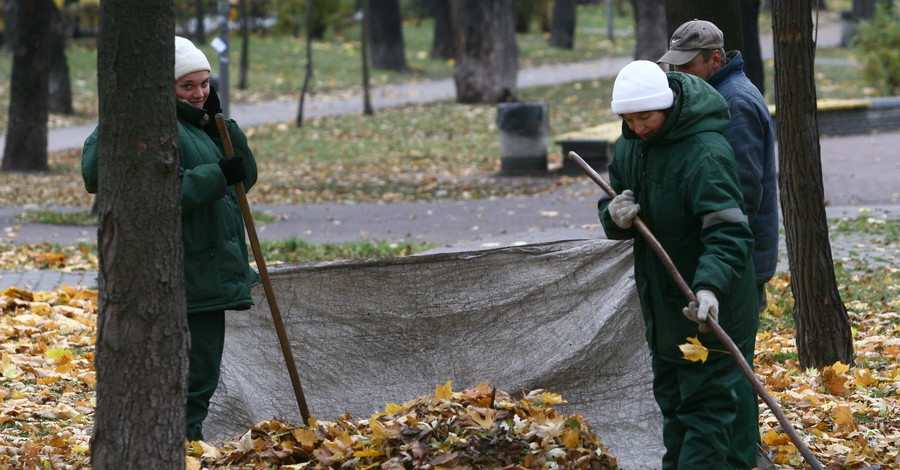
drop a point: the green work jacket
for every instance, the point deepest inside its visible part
(685, 179)
(217, 275)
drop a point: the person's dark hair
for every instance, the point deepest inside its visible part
(708, 53)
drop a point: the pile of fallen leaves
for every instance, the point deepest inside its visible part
(478, 428)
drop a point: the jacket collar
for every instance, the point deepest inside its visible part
(187, 112)
(734, 65)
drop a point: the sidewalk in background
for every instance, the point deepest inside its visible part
(859, 172)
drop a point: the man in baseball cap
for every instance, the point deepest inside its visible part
(690, 39)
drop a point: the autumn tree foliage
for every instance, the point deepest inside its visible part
(142, 339)
(823, 329)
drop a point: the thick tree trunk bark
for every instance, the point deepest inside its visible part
(26, 133)
(200, 30)
(386, 36)
(245, 46)
(650, 29)
(752, 52)
(486, 70)
(562, 30)
(142, 339)
(307, 77)
(60, 99)
(823, 329)
(523, 13)
(443, 46)
(367, 97)
(726, 14)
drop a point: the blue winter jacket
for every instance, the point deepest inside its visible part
(752, 136)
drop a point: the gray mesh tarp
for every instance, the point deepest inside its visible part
(560, 316)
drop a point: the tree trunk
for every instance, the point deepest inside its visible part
(726, 14)
(26, 133)
(650, 29)
(60, 92)
(443, 46)
(752, 53)
(562, 30)
(309, 61)
(367, 99)
(487, 67)
(245, 46)
(523, 12)
(10, 28)
(142, 335)
(200, 32)
(386, 36)
(823, 329)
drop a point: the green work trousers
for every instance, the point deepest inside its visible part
(710, 414)
(207, 341)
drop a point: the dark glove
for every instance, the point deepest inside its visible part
(212, 107)
(233, 169)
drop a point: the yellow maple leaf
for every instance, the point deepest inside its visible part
(483, 416)
(693, 350)
(834, 381)
(305, 437)
(191, 463)
(842, 415)
(570, 439)
(368, 453)
(863, 377)
(443, 392)
(552, 398)
(840, 367)
(377, 428)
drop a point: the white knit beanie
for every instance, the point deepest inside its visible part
(641, 86)
(188, 59)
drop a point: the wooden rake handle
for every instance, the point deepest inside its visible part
(264, 275)
(713, 325)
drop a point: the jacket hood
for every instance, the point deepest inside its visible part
(698, 107)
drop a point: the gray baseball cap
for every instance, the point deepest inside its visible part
(689, 39)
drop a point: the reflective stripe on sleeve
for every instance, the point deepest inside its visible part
(733, 215)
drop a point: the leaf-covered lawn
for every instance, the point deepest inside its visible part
(849, 415)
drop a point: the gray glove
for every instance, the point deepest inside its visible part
(623, 209)
(706, 306)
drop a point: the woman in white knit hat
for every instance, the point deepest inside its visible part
(217, 274)
(674, 168)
